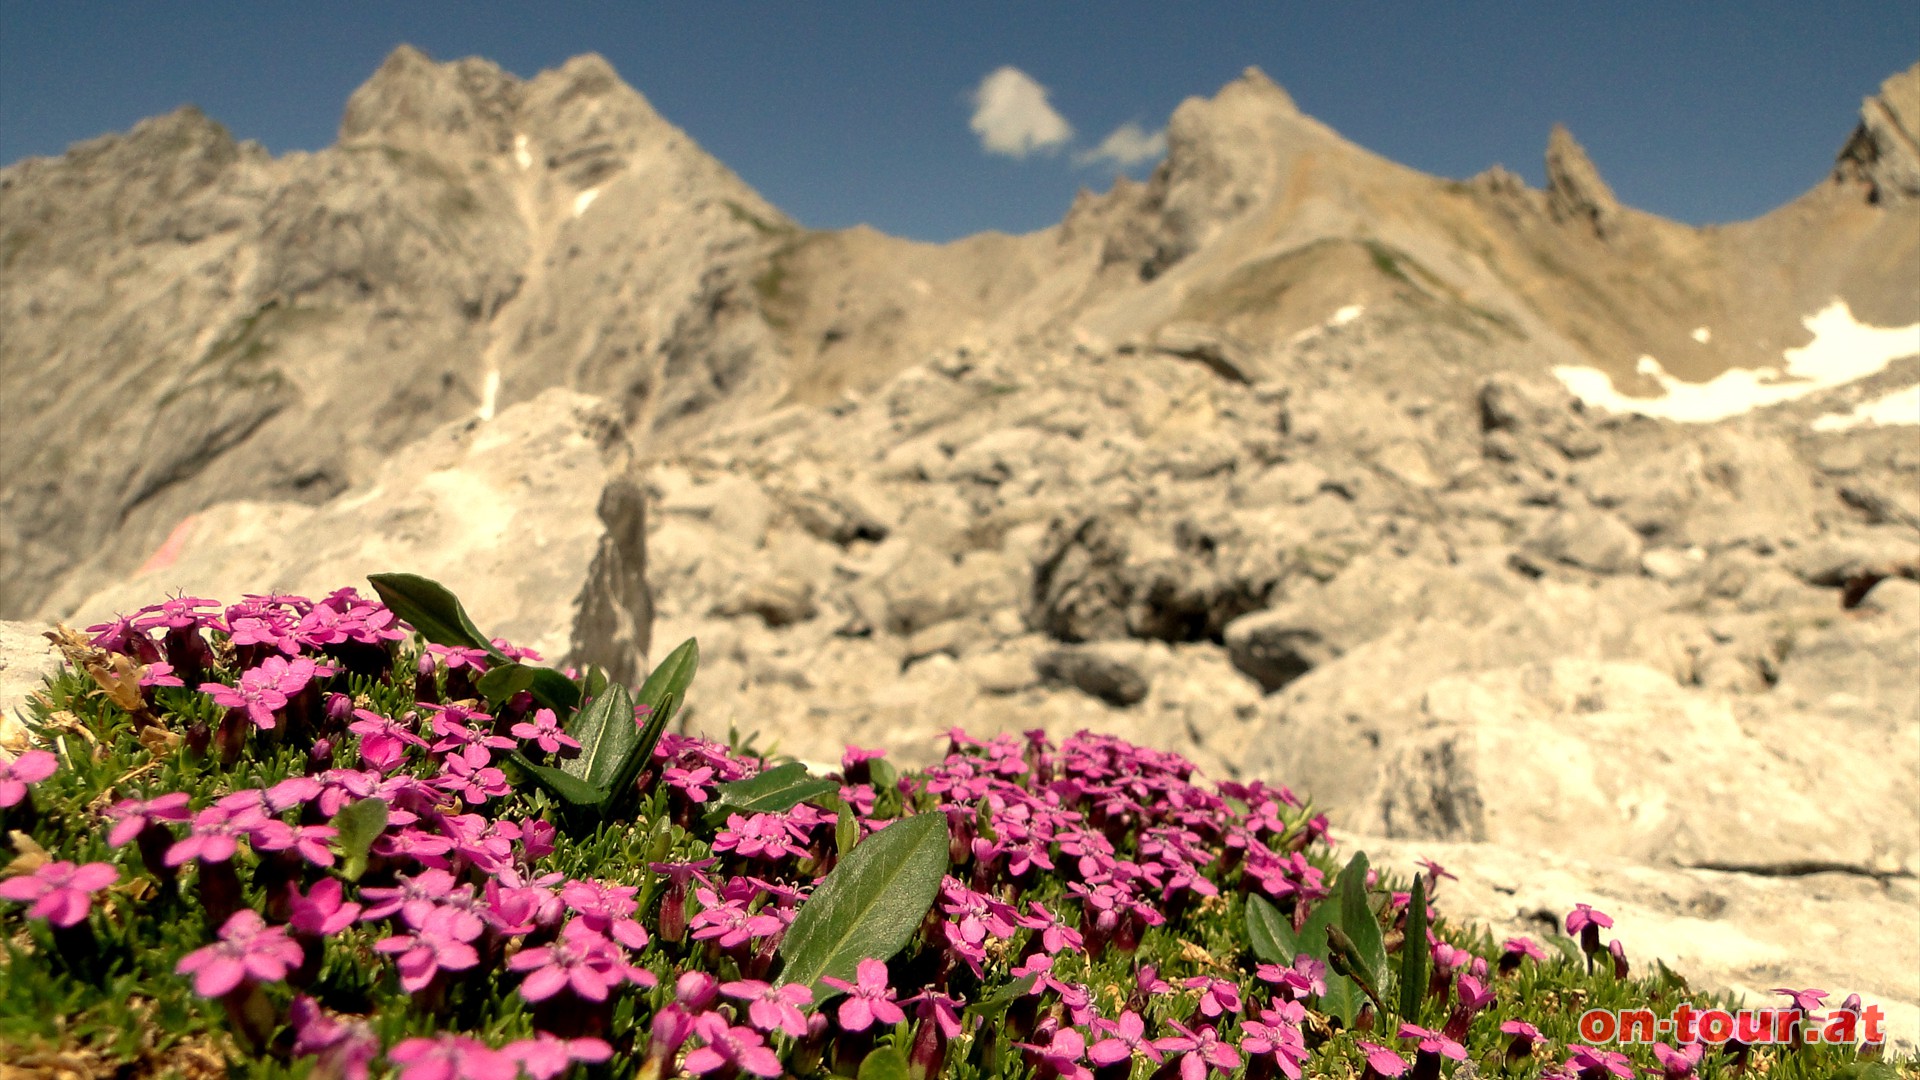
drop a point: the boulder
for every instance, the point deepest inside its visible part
(26, 659)
(533, 519)
(1611, 759)
(1117, 672)
(1589, 539)
(1741, 933)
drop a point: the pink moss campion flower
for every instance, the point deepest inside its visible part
(1125, 1037)
(215, 835)
(265, 690)
(323, 910)
(1678, 1064)
(470, 775)
(132, 815)
(762, 836)
(17, 773)
(440, 944)
(582, 960)
(1278, 1033)
(545, 732)
(248, 950)
(1433, 1042)
(728, 1045)
(1063, 1056)
(159, 673)
(452, 1057)
(60, 892)
(1588, 1063)
(311, 842)
(869, 998)
(1200, 1051)
(1807, 1001)
(383, 741)
(772, 1008)
(1517, 949)
(545, 1056)
(343, 1049)
(1587, 922)
(1217, 996)
(1381, 1062)
(729, 922)
(456, 657)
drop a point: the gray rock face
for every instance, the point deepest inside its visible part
(533, 519)
(1575, 191)
(1884, 152)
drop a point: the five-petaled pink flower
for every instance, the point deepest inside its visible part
(545, 732)
(772, 1008)
(1124, 1037)
(1678, 1064)
(1200, 1051)
(868, 999)
(582, 959)
(1807, 1001)
(729, 1045)
(248, 949)
(1380, 1060)
(439, 944)
(452, 1057)
(60, 892)
(265, 690)
(29, 768)
(1590, 1064)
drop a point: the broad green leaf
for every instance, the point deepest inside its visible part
(869, 906)
(656, 723)
(608, 738)
(593, 681)
(884, 1063)
(846, 831)
(780, 788)
(1357, 919)
(359, 824)
(666, 686)
(1413, 955)
(570, 788)
(1312, 938)
(550, 688)
(1343, 999)
(1270, 933)
(432, 609)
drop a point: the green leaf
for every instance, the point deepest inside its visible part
(884, 1063)
(1000, 1002)
(550, 688)
(608, 740)
(1312, 938)
(666, 686)
(1270, 933)
(1342, 999)
(432, 609)
(869, 906)
(359, 824)
(594, 681)
(572, 789)
(1357, 919)
(780, 788)
(1413, 955)
(846, 831)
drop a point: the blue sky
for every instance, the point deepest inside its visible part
(862, 112)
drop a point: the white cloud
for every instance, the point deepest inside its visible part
(1129, 145)
(1012, 117)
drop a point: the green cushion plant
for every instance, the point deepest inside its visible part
(348, 838)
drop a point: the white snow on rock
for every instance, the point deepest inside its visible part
(1899, 407)
(584, 200)
(1702, 334)
(1843, 350)
(520, 152)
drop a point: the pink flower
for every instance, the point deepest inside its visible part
(469, 775)
(132, 815)
(311, 841)
(1382, 1061)
(344, 1049)
(546, 1056)
(1588, 923)
(60, 892)
(762, 836)
(729, 1045)
(868, 999)
(1217, 996)
(383, 742)
(321, 911)
(1591, 1064)
(729, 920)
(440, 944)
(1064, 1054)
(248, 949)
(1200, 1051)
(1277, 1032)
(452, 1057)
(1125, 1037)
(264, 690)
(1807, 1001)
(1434, 1042)
(215, 834)
(29, 768)
(772, 1008)
(582, 959)
(1678, 1064)
(545, 732)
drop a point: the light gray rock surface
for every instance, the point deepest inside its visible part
(26, 659)
(532, 518)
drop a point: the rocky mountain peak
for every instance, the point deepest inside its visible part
(411, 100)
(1883, 153)
(1575, 191)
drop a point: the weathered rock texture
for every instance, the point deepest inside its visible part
(533, 519)
(1258, 460)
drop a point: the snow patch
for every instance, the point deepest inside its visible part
(1702, 335)
(1843, 350)
(520, 152)
(489, 395)
(584, 200)
(1346, 315)
(1899, 407)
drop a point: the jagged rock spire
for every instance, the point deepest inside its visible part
(1884, 150)
(1575, 191)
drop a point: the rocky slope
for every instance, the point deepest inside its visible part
(1263, 460)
